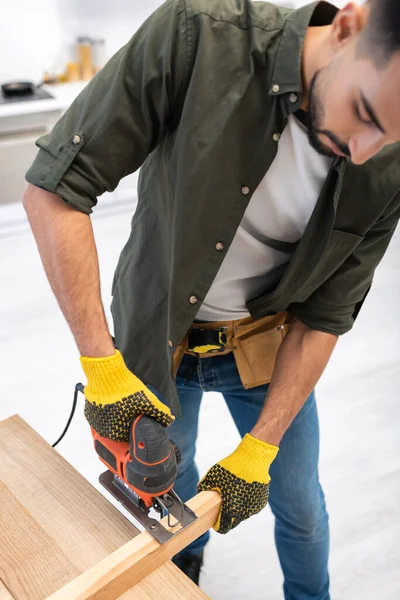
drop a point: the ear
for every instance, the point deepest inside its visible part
(348, 23)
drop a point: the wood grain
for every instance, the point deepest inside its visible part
(4, 593)
(119, 571)
(54, 525)
(29, 555)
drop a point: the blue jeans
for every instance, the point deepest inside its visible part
(296, 497)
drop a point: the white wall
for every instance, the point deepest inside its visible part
(35, 35)
(113, 20)
(31, 38)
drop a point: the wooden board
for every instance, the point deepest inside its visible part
(54, 525)
(4, 593)
(116, 573)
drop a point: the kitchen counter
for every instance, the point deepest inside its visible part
(63, 95)
(21, 124)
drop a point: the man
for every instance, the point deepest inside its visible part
(269, 192)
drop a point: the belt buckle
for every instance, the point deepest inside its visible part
(207, 341)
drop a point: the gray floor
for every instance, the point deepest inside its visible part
(359, 412)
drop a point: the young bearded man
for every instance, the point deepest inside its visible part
(268, 194)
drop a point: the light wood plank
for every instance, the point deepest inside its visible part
(118, 572)
(28, 556)
(4, 593)
(54, 525)
(166, 582)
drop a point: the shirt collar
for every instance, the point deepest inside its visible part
(287, 74)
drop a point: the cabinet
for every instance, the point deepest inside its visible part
(17, 149)
(20, 126)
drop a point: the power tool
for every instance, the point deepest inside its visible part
(141, 474)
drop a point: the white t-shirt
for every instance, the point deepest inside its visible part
(279, 210)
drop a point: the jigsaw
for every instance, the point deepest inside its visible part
(141, 473)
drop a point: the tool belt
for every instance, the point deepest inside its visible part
(254, 344)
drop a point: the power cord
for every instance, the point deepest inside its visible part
(78, 388)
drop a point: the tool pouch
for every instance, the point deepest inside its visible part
(254, 344)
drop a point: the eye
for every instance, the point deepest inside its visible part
(357, 112)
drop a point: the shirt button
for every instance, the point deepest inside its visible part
(76, 139)
(275, 88)
(219, 246)
(193, 299)
(170, 344)
(276, 137)
(293, 98)
(245, 190)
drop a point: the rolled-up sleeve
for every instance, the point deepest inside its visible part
(334, 306)
(121, 115)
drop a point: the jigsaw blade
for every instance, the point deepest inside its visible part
(168, 504)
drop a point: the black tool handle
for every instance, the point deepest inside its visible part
(152, 467)
(149, 440)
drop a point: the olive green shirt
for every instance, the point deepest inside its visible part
(198, 98)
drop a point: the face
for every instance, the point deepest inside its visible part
(353, 105)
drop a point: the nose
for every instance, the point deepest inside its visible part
(365, 145)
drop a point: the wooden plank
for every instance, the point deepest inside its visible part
(165, 583)
(28, 554)
(118, 572)
(69, 525)
(4, 593)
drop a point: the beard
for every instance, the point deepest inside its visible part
(315, 118)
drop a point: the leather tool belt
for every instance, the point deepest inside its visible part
(254, 344)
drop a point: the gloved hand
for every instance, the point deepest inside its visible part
(242, 479)
(114, 396)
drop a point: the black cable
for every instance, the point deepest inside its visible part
(78, 388)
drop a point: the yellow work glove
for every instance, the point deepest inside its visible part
(242, 479)
(114, 396)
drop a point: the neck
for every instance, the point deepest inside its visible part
(313, 57)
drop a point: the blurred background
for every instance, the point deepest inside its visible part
(58, 45)
(54, 47)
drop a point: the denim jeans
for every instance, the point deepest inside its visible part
(296, 497)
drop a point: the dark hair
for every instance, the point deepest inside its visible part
(381, 36)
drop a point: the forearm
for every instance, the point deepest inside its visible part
(66, 244)
(300, 362)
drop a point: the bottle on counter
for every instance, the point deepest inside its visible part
(85, 57)
(72, 72)
(98, 54)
